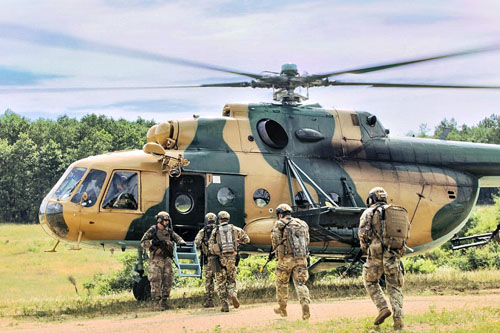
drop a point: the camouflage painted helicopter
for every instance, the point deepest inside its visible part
(321, 161)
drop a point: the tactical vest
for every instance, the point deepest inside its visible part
(226, 240)
(295, 239)
(390, 224)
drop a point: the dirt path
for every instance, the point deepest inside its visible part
(252, 316)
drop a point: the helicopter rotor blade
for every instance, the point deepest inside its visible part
(408, 85)
(63, 41)
(403, 63)
(90, 89)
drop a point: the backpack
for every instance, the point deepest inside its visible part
(226, 239)
(295, 239)
(392, 226)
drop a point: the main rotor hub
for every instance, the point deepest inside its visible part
(289, 70)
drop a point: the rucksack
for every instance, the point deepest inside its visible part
(295, 239)
(226, 239)
(392, 226)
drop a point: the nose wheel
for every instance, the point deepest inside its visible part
(142, 289)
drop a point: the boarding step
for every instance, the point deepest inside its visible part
(186, 260)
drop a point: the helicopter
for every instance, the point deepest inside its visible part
(323, 162)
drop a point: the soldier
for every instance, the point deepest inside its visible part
(224, 242)
(290, 239)
(207, 258)
(159, 240)
(384, 246)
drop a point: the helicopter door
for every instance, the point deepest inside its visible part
(187, 204)
(227, 192)
(351, 131)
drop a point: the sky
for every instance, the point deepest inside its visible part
(111, 43)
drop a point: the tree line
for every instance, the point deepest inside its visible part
(35, 153)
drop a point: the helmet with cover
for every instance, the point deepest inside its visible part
(210, 218)
(223, 217)
(377, 194)
(164, 216)
(284, 209)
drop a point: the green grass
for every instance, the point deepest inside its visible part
(35, 284)
(28, 272)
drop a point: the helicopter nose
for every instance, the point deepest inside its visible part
(51, 218)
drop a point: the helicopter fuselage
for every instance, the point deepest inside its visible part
(238, 163)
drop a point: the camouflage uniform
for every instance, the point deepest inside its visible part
(201, 242)
(289, 266)
(160, 273)
(381, 260)
(226, 275)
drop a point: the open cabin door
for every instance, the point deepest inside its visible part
(187, 204)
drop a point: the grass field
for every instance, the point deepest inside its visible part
(29, 273)
(35, 284)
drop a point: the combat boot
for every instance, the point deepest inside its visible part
(236, 302)
(225, 307)
(305, 311)
(164, 305)
(382, 314)
(281, 310)
(398, 324)
(208, 303)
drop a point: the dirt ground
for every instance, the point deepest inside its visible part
(251, 316)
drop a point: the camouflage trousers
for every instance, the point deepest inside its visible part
(209, 280)
(388, 262)
(226, 278)
(297, 268)
(160, 276)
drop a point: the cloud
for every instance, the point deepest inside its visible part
(14, 77)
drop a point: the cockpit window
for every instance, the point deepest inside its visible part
(122, 193)
(68, 185)
(92, 185)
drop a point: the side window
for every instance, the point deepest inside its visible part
(122, 192)
(92, 185)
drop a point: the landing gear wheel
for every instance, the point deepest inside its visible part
(142, 289)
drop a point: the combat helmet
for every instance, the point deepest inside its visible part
(223, 217)
(377, 194)
(210, 218)
(163, 215)
(284, 209)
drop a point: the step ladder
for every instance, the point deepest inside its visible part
(186, 260)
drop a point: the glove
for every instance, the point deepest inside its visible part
(156, 243)
(183, 243)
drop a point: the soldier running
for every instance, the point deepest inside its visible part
(208, 258)
(224, 243)
(159, 240)
(383, 231)
(290, 240)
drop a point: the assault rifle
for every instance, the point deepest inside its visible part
(269, 258)
(203, 257)
(355, 260)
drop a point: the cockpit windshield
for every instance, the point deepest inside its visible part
(68, 185)
(92, 185)
(122, 193)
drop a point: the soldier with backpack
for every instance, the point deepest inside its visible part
(207, 258)
(383, 232)
(224, 243)
(290, 240)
